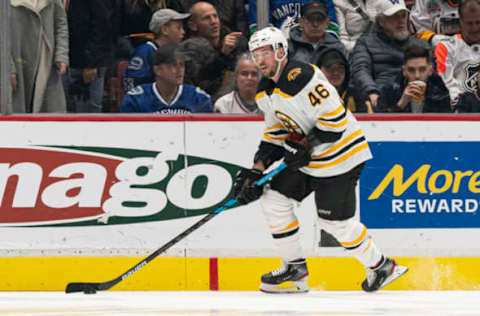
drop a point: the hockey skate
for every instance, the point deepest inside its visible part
(383, 275)
(290, 278)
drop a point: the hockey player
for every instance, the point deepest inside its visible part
(168, 94)
(324, 150)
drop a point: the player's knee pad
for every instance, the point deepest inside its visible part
(278, 211)
(350, 233)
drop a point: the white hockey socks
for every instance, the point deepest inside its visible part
(352, 235)
(283, 224)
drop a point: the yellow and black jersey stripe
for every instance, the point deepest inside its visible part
(275, 133)
(303, 101)
(334, 121)
(340, 151)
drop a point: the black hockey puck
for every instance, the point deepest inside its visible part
(89, 291)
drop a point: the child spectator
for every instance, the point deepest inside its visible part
(167, 26)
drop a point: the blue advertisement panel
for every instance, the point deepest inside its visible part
(421, 185)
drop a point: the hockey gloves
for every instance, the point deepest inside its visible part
(297, 152)
(244, 188)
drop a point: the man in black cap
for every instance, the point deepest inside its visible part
(168, 94)
(309, 38)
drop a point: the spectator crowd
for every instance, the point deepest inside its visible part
(186, 56)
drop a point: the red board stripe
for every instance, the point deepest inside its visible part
(213, 274)
(221, 118)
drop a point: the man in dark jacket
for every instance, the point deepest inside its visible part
(308, 39)
(408, 93)
(205, 23)
(378, 56)
(93, 29)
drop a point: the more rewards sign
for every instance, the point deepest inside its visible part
(421, 185)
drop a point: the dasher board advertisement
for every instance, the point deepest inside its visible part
(97, 183)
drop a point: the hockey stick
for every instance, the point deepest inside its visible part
(92, 288)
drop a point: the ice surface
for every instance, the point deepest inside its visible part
(335, 303)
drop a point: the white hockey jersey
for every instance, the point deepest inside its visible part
(231, 103)
(303, 99)
(432, 15)
(457, 63)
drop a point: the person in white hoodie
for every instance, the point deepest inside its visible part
(355, 17)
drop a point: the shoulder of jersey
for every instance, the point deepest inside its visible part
(189, 89)
(295, 77)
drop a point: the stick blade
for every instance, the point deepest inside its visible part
(87, 288)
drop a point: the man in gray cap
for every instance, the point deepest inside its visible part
(167, 27)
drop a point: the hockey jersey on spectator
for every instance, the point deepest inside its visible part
(139, 69)
(304, 100)
(284, 15)
(457, 63)
(146, 98)
(434, 15)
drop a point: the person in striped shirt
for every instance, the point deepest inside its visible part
(324, 150)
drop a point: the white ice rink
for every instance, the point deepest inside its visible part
(335, 303)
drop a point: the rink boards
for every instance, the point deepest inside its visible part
(86, 197)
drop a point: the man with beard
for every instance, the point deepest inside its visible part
(324, 150)
(378, 56)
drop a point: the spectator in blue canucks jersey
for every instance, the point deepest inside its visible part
(168, 94)
(284, 15)
(167, 26)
